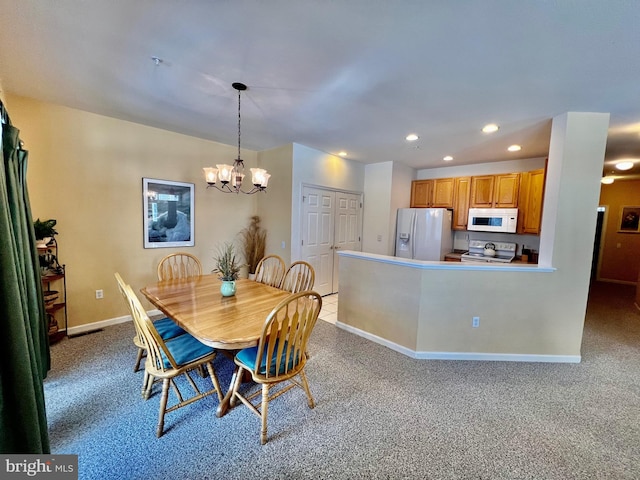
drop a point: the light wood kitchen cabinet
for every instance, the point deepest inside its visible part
(462, 192)
(421, 193)
(531, 198)
(506, 191)
(443, 193)
(432, 193)
(495, 191)
(482, 191)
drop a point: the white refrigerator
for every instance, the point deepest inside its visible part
(424, 233)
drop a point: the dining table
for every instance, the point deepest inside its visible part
(228, 324)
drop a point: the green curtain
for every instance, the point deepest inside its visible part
(24, 343)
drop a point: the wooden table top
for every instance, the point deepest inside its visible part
(229, 323)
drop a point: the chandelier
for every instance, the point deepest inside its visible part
(230, 177)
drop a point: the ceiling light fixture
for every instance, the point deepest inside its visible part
(514, 148)
(231, 176)
(626, 165)
(490, 128)
(342, 154)
(412, 137)
(607, 180)
(448, 158)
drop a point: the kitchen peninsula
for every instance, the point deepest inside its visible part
(469, 311)
(426, 309)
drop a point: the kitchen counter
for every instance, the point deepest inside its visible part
(447, 265)
(454, 256)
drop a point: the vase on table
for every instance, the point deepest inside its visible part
(228, 288)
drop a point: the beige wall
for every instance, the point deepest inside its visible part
(274, 207)
(387, 188)
(86, 171)
(377, 212)
(620, 252)
(489, 168)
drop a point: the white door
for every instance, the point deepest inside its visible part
(317, 235)
(331, 220)
(346, 227)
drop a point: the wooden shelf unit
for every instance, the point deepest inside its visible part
(56, 310)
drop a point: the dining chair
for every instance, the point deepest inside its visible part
(169, 359)
(180, 265)
(300, 276)
(166, 327)
(270, 270)
(280, 354)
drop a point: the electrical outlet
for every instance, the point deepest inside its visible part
(475, 323)
(283, 245)
(99, 294)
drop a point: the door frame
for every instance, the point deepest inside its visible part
(601, 240)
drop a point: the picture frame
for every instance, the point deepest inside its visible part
(629, 219)
(168, 212)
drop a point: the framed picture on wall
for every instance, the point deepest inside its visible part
(168, 213)
(630, 219)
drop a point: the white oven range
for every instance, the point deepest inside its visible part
(487, 251)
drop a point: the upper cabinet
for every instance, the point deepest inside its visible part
(436, 193)
(506, 192)
(495, 191)
(421, 193)
(443, 193)
(462, 193)
(531, 197)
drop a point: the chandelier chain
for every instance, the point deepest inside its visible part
(239, 124)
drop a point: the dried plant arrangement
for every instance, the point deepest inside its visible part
(254, 240)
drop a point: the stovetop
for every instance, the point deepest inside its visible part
(505, 252)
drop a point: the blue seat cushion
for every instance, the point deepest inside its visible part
(167, 328)
(185, 349)
(248, 357)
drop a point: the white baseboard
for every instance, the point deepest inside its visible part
(90, 327)
(501, 357)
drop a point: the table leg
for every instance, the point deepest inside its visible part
(226, 401)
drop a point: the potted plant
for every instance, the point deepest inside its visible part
(227, 267)
(254, 239)
(44, 231)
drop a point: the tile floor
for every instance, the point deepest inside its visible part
(329, 312)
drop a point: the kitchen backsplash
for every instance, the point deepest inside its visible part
(461, 239)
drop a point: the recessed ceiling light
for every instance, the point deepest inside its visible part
(342, 154)
(514, 148)
(490, 128)
(607, 180)
(626, 165)
(412, 137)
(448, 158)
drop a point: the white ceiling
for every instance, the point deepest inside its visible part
(353, 75)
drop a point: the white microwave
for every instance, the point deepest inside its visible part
(493, 220)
